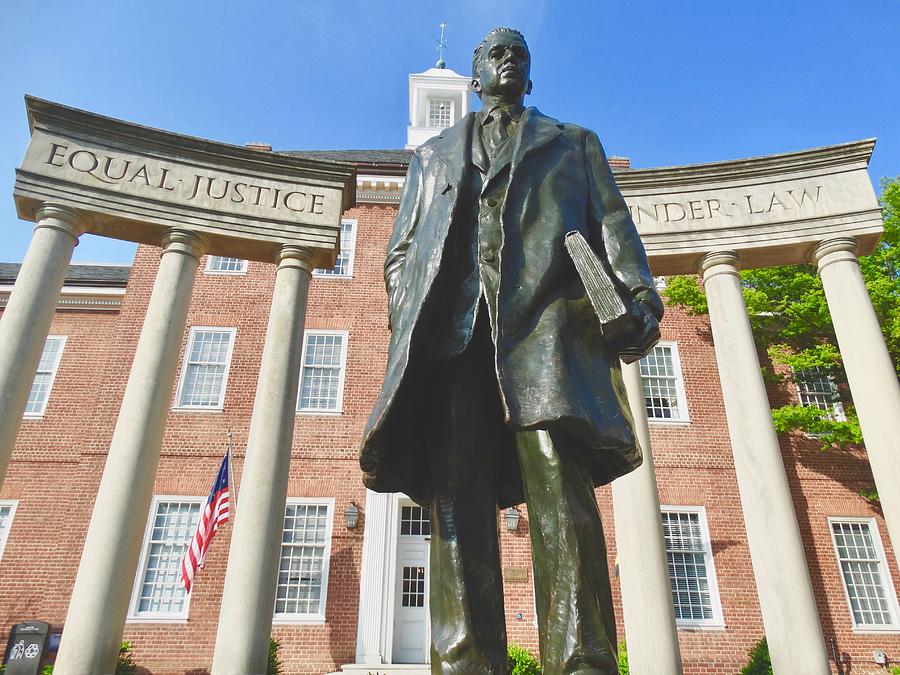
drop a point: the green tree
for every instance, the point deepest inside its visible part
(792, 324)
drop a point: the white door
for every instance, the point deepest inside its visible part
(412, 629)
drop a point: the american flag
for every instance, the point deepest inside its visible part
(214, 514)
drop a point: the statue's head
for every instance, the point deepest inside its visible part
(501, 66)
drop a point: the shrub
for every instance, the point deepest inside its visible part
(274, 665)
(521, 661)
(759, 663)
(623, 658)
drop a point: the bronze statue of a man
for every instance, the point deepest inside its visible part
(500, 386)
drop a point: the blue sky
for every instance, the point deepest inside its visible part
(662, 83)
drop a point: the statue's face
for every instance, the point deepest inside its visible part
(505, 68)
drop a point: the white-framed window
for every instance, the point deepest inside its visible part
(204, 373)
(158, 594)
(45, 375)
(816, 389)
(660, 282)
(867, 581)
(217, 264)
(7, 511)
(343, 266)
(322, 373)
(440, 113)
(663, 384)
(303, 567)
(692, 573)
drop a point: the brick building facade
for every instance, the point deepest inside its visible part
(47, 498)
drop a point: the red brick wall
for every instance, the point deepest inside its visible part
(58, 462)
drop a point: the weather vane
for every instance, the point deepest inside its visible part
(441, 46)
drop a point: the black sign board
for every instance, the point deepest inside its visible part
(25, 648)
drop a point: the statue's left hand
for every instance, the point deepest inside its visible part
(646, 334)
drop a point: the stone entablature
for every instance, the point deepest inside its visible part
(134, 183)
(773, 210)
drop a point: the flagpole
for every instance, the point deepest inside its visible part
(231, 474)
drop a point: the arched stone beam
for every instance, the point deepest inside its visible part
(771, 210)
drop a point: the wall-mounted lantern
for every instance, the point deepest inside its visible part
(351, 516)
(511, 517)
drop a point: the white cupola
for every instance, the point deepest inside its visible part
(438, 98)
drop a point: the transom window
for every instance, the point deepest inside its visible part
(691, 572)
(440, 113)
(217, 264)
(322, 376)
(205, 371)
(303, 569)
(7, 511)
(816, 389)
(415, 521)
(45, 375)
(663, 384)
(158, 592)
(867, 583)
(343, 266)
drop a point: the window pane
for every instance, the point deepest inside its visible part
(6, 513)
(43, 378)
(439, 113)
(343, 264)
(321, 376)
(861, 568)
(219, 263)
(174, 524)
(206, 364)
(302, 566)
(659, 379)
(688, 573)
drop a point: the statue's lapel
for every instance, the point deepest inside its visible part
(453, 148)
(536, 131)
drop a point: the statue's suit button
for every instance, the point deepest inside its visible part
(492, 201)
(487, 255)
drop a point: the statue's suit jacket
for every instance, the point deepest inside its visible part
(553, 367)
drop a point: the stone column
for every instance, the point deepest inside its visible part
(99, 604)
(776, 548)
(248, 600)
(373, 607)
(641, 547)
(870, 372)
(26, 319)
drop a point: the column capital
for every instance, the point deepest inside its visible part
(835, 250)
(176, 240)
(296, 256)
(719, 262)
(63, 218)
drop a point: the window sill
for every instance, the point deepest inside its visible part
(32, 417)
(876, 630)
(299, 621)
(331, 276)
(198, 410)
(700, 628)
(669, 422)
(320, 413)
(156, 619)
(225, 274)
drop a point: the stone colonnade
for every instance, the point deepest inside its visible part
(57, 187)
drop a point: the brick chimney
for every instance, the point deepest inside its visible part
(617, 163)
(262, 147)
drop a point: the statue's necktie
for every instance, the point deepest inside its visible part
(498, 130)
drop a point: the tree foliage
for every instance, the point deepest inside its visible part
(791, 322)
(759, 663)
